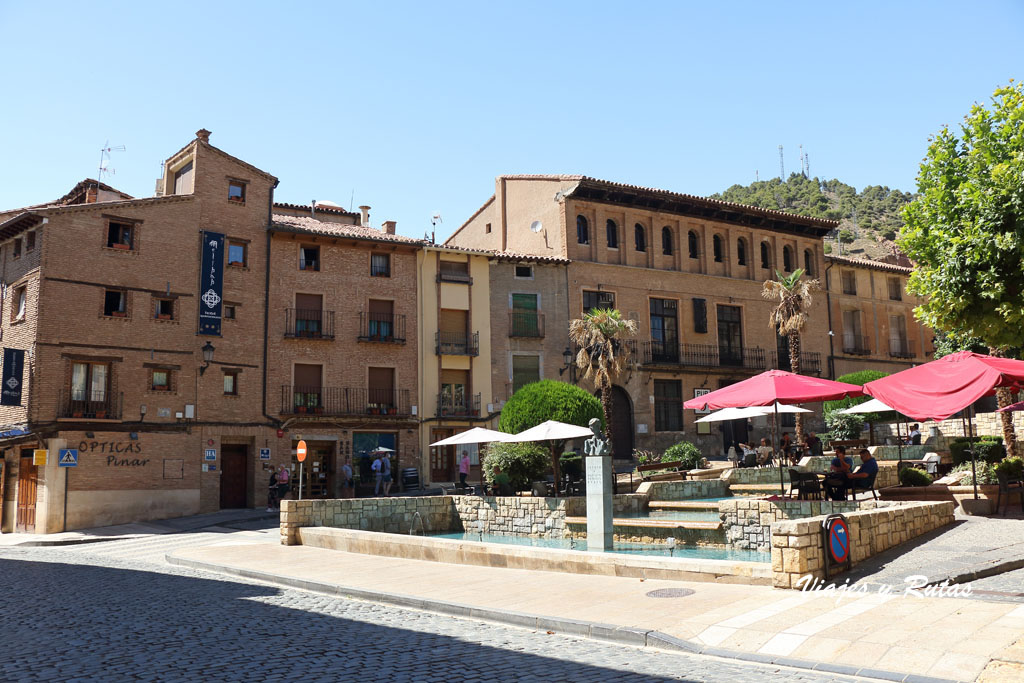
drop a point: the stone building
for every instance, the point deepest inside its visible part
(689, 270)
(179, 381)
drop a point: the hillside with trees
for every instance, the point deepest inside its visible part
(869, 219)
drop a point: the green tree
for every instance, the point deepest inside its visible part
(965, 230)
(600, 336)
(845, 236)
(549, 400)
(789, 316)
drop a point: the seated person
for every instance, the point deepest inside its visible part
(764, 453)
(837, 480)
(864, 476)
(501, 484)
(915, 436)
(814, 444)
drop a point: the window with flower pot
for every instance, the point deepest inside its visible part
(236, 191)
(238, 253)
(231, 382)
(160, 379)
(120, 235)
(306, 388)
(164, 309)
(115, 303)
(381, 391)
(18, 303)
(309, 257)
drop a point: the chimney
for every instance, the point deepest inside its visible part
(203, 135)
(91, 194)
(389, 227)
(365, 220)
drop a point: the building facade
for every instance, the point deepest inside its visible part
(455, 355)
(690, 271)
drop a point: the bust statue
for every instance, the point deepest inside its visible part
(596, 445)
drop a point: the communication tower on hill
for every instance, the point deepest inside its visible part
(782, 166)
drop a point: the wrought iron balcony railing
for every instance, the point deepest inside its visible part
(387, 328)
(342, 401)
(303, 323)
(457, 344)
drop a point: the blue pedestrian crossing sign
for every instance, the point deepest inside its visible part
(68, 457)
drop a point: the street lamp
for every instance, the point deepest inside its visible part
(208, 350)
(567, 358)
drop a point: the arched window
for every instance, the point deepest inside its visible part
(766, 256)
(666, 240)
(613, 234)
(582, 230)
(808, 263)
(741, 251)
(640, 236)
(691, 242)
(716, 243)
(787, 259)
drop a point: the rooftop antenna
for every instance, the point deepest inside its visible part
(434, 220)
(105, 159)
(352, 200)
(782, 167)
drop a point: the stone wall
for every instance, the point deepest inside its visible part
(524, 516)
(797, 546)
(755, 475)
(391, 515)
(684, 490)
(747, 523)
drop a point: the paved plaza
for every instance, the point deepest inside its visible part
(116, 611)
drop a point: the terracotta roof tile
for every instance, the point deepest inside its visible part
(312, 226)
(515, 256)
(865, 263)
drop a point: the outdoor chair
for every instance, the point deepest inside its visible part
(869, 485)
(750, 459)
(1011, 487)
(810, 487)
(796, 478)
(931, 462)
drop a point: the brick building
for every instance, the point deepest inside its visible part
(690, 271)
(107, 295)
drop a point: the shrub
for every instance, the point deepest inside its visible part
(845, 236)
(988, 450)
(842, 426)
(828, 248)
(571, 465)
(548, 400)
(1013, 468)
(686, 452)
(986, 473)
(645, 457)
(522, 462)
(910, 476)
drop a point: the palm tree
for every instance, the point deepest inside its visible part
(599, 335)
(789, 317)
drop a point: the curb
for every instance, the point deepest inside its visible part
(983, 571)
(620, 635)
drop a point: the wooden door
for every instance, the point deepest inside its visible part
(441, 457)
(318, 468)
(27, 479)
(234, 460)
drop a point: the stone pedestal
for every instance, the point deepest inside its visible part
(599, 502)
(970, 506)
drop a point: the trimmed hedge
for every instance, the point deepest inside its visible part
(910, 476)
(989, 449)
(549, 400)
(686, 452)
(524, 463)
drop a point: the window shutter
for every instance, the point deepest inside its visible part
(700, 315)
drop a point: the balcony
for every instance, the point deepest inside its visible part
(901, 348)
(85, 405)
(303, 323)
(702, 355)
(457, 344)
(385, 328)
(528, 324)
(454, 272)
(810, 362)
(465, 406)
(855, 345)
(343, 401)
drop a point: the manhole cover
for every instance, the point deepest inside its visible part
(670, 593)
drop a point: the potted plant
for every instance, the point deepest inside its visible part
(101, 414)
(301, 410)
(163, 316)
(392, 410)
(119, 314)
(119, 245)
(76, 413)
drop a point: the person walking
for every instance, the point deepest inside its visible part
(348, 485)
(385, 466)
(283, 483)
(463, 469)
(378, 474)
(272, 501)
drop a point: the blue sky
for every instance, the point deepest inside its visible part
(416, 107)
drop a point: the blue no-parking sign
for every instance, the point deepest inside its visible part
(835, 534)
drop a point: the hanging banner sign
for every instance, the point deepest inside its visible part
(211, 283)
(13, 376)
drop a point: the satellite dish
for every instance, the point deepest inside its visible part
(536, 226)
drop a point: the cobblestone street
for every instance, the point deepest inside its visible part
(116, 611)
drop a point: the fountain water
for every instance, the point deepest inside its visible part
(412, 526)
